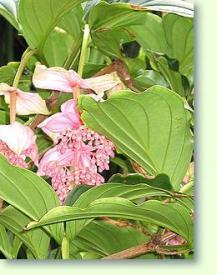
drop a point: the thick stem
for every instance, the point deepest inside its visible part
(132, 252)
(24, 60)
(65, 248)
(142, 249)
(84, 49)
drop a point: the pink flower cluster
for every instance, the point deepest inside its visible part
(79, 154)
(12, 157)
(17, 143)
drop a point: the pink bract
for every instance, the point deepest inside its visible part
(69, 117)
(59, 79)
(26, 103)
(17, 142)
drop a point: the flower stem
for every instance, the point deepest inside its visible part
(24, 60)
(84, 49)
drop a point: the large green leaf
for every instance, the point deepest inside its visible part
(110, 22)
(28, 193)
(72, 22)
(172, 216)
(104, 239)
(152, 128)
(172, 35)
(37, 240)
(108, 190)
(38, 18)
(106, 16)
(63, 38)
(8, 9)
(57, 47)
(173, 77)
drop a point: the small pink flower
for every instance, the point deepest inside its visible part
(59, 79)
(79, 154)
(17, 142)
(26, 103)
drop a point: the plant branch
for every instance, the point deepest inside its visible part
(154, 245)
(132, 252)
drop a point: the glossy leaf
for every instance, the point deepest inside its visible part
(171, 216)
(172, 35)
(108, 190)
(104, 239)
(37, 240)
(62, 39)
(17, 187)
(57, 47)
(38, 18)
(160, 142)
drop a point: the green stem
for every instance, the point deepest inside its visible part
(187, 187)
(65, 248)
(84, 49)
(24, 60)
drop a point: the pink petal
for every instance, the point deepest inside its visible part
(34, 154)
(57, 123)
(69, 108)
(55, 156)
(29, 103)
(17, 136)
(54, 78)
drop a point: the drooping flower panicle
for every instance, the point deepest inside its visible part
(79, 154)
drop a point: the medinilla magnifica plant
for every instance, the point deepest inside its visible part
(96, 131)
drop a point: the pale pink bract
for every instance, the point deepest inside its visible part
(17, 142)
(27, 103)
(59, 79)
